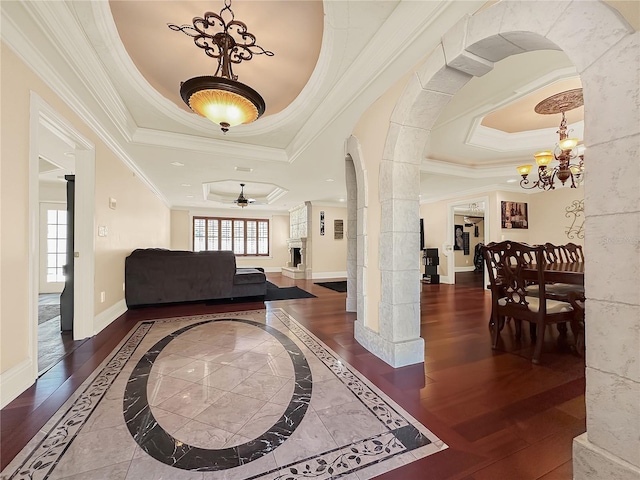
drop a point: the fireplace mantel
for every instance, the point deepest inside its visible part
(297, 249)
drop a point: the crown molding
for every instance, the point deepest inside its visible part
(214, 146)
(498, 187)
(407, 21)
(17, 38)
(489, 105)
(446, 168)
(499, 141)
(65, 33)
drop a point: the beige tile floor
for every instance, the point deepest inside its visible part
(221, 387)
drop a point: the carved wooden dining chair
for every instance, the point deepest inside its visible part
(573, 253)
(510, 297)
(569, 253)
(554, 253)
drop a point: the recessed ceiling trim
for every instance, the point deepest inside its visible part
(276, 194)
(386, 47)
(16, 37)
(145, 136)
(491, 104)
(294, 113)
(500, 187)
(210, 193)
(499, 141)
(62, 28)
(445, 168)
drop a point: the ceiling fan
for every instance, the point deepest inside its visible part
(243, 201)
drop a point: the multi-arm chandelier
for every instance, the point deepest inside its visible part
(565, 151)
(221, 98)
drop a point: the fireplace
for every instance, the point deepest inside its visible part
(296, 257)
(298, 265)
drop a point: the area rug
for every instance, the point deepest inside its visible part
(340, 286)
(47, 312)
(285, 293)
(249, 395)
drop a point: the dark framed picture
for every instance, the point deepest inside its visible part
(458, 237)
(515, 215)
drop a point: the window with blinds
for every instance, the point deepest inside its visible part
(244, 236)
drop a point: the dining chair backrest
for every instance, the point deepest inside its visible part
(573, 253)
(505, 263)
(554, 253)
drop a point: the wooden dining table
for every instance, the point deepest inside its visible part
(565, 272)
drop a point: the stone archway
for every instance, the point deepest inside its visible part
(356, 177)
(606, 53)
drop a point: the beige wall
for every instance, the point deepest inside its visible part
(547, 220)
(180, 230)
(548, 216)
(140, 219)
(14, 211)
(181, 225)
(328, 254)
(371, 132)
(434, 216)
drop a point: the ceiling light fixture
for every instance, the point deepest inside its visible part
(221, 98)
(243, 201)
(564, 152)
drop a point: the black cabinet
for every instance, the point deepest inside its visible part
(430, 260)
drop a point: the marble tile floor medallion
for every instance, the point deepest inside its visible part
(247, 395)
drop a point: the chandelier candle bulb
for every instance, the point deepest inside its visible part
(568, 143)
(543, 158)
(525, 170)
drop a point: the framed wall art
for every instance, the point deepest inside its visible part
(514, 215)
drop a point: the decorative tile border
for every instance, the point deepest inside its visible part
(46, 455)
(379, 407)
(403, 436)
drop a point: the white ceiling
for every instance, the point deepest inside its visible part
(366, 47)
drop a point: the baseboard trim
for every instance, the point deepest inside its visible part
(103, 319)
(445, 279)
(272, 269)
(322, 275)
(464, 269)
(15, 381)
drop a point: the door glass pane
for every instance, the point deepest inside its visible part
(56, 244)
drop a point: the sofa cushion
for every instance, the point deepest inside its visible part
(245, 276)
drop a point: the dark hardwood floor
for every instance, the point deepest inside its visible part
(502, 416)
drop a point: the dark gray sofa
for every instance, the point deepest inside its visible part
(155, 276)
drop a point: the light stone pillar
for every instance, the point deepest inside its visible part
(352, 232)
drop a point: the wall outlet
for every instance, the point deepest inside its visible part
(103, 297)
(103, 231)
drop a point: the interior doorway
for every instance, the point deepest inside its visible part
(57, 151)
(468, 230)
